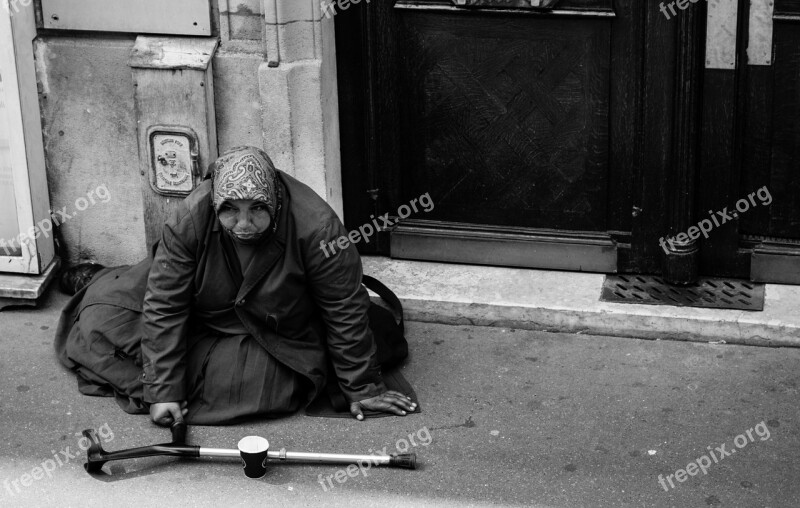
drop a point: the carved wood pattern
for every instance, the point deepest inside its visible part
(771, 153)
(507, 123)
(784, 182)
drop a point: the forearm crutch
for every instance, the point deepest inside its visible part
(254, 452)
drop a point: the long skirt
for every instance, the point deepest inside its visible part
(228, 377)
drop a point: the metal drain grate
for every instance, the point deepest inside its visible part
(708, 293)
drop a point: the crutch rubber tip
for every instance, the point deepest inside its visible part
(404, 460)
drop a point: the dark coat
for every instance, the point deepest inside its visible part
(304, 308)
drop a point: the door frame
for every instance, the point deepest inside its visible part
(17, 32)
(661, 168)
(771, 259)
(370, 157)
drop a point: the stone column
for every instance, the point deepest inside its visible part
(299, 95)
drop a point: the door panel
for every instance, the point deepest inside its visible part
(523, 126)
(545, 138)
(506, 119)
(22, 171)
(784, 213)
(9, 220)
(576, 138)
(771, 155)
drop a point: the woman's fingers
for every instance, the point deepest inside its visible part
(165, 420)
(388, 402)
(399, 400)
(177, 413)
(166, 413)
(380, 403)
(355, 410)
(404, 400)
(389, 407)
(394, 405)
(393, 392)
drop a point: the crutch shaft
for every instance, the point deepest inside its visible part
(322, 458)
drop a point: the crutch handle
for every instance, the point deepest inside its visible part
(179, 432)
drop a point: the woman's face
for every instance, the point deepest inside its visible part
(246, 219)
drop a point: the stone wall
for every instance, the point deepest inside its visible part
(274, 84)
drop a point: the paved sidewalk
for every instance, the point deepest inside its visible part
(514, 417)
(570, 302)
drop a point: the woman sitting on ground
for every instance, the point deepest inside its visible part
(239, 313)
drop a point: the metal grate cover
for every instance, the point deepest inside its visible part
(708, 293)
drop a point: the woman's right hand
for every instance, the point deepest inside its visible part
(166, 413)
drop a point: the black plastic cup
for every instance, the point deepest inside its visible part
(253, 450)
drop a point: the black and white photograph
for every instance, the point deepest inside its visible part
(399, 253)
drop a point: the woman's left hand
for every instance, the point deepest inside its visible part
(388, 402)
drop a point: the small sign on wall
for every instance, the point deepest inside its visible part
(173, 17)
(173, 160)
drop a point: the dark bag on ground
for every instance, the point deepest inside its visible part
(388, 328)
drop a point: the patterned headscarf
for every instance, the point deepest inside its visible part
(244, 172)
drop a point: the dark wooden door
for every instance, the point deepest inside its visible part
(751, 144)
(503, 117)
(504, 120)
(771, 151)
(571, 138)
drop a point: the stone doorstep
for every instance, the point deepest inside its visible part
(16, 289)
(570, 302)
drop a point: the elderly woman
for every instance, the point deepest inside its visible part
(238, 313)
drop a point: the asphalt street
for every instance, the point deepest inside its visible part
(509, 418)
